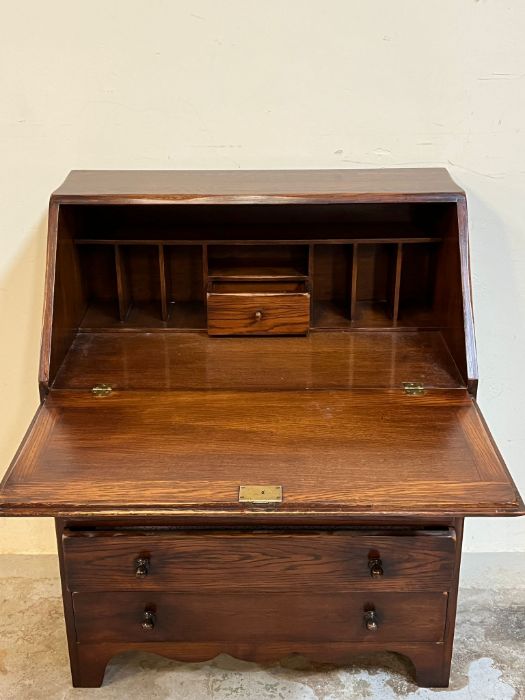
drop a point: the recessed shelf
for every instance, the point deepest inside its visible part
(183, 315)
(187, 314)
(331, 315)
(257, 262)
(372, 314)
(348, 239)
(256, 272)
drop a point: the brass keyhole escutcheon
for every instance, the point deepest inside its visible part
(258, 315)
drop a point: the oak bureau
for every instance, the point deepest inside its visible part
(258, 430)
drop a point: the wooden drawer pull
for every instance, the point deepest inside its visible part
(376, 567)
(141, 567)
(148, 620)
(370, 619)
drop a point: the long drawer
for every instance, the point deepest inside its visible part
(403, 560)
(274, 617)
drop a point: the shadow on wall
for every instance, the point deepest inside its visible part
(494, 283)
(500, 330)
(21, 303)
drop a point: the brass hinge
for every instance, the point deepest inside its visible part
(101, 390)
(260, 494)
(413, 388)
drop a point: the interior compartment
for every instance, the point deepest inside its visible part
(367, 267)
(99, 282)
(375, 287)
(331, 285)
(241, 223)
(142, 286)
(140, 275)
(417, 291)
(185, 286)
(257, 261)
(258, 287)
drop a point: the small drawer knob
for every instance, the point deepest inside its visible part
(370, 619)
(141, 567)
(148, 620)
(376, 567)
(258, 315)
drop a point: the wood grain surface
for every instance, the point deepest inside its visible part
(164, 360)
(260, 561)
(269, 617)
(356, 452)
(271, 313)
(256, 185)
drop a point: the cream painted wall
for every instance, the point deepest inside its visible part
(288, 84)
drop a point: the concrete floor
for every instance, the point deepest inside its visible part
(488, 664)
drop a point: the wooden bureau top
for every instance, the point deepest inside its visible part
(261, 186)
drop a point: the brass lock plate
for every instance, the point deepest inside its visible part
(261, 494)
(101, 390)
(413, 388)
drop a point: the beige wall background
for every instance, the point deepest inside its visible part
(275, 84)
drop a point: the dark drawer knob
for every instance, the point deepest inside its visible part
(258, 315)
(376, 567)
(141, 567)
(370, 618)
(148, 620)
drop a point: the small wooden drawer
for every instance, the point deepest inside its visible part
(273, 617)
(258, 308)
(341, 560)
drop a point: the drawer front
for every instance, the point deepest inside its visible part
(258, 314)
(267, 561)
(274, 617)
